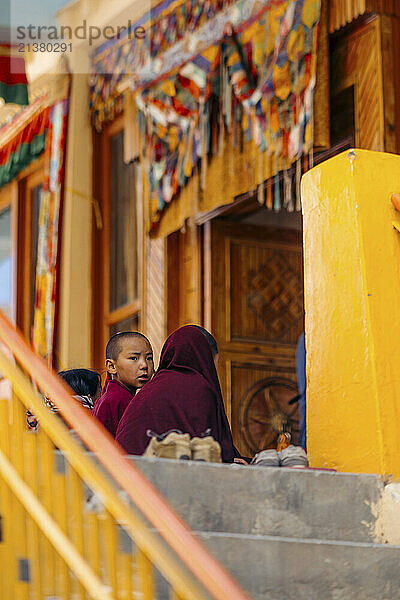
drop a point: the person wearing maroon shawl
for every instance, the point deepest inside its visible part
(184, 394)
(129, 363)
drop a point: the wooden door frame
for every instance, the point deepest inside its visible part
(184, 286)
(27, 181)
(9, 199)
(352, 33)
(102, 318)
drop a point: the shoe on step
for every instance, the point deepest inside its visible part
(206, 449)
(293, 456)
(266, 458)
(174, 445)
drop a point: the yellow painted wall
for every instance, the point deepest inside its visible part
(352, 303)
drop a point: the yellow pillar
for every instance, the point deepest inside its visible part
(352, 303)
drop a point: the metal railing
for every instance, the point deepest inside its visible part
(79, 524)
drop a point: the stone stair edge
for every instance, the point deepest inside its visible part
(312, 471)
(204, 535)
(376, 477)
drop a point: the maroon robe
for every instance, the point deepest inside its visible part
(111, 405)
(184, 394)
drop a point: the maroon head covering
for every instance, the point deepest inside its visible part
(184, 394)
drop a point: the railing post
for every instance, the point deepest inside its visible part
(7, 556)
(35, 538)
(352, 303)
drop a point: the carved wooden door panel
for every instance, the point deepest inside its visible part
(254, 305)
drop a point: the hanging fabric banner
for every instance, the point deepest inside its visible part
(169, 25)
(255, 88)
(49, 228)
(239, 14)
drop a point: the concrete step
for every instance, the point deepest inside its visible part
(268, 501)
(276, 568)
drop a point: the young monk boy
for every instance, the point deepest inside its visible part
(129, 364)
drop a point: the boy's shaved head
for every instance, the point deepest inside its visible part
(115, 342)
(129, 359)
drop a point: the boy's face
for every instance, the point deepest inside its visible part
(134, 366)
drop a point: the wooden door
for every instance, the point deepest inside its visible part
(29, 194)
(254, 306)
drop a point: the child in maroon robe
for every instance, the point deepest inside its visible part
(129, 364)
(185, 395)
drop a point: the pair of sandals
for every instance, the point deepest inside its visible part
(179, 446)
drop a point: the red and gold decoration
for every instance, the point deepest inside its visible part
(26, 144)
(49, 226)
(207, 75)
(256, 85)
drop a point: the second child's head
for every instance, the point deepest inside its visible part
(83, 382)
(129, 359)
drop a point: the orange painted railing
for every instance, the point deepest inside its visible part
(58, 538)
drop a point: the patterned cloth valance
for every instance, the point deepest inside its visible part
(242, 74)
(167, 26)
(254, 87)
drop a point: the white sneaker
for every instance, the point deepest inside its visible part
(293, 456)
(266, 458)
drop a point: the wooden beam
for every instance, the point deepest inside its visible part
(123, 312)
(389, 77)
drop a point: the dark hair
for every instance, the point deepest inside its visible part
(83, 381)
(113, 347)
(212, 342)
